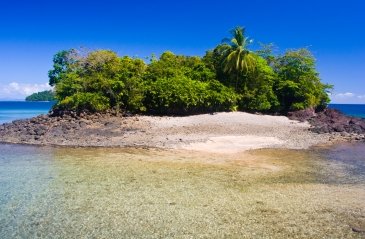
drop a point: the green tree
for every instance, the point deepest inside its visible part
(170, 65)
(299, 86)
(111, 80)
(132, 72)
(238, 60)
(259, 94)
(266, 51)
(61, 63)
(254, 85)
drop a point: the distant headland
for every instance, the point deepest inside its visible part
(47, 95)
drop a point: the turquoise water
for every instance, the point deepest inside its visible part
(12, 110)
(356, 110)
(56, 192)
(50, 192)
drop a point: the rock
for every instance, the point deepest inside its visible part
(302, 115)
(339, 128)
(39, 131)
(356, 229)
(330, 121)
(34, 120)
(57, 131)
(66, 127)
(75, 126)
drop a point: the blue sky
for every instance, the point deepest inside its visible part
(31, 32)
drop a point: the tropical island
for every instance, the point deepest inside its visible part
(107, 100)
(228, 78)
(46, 95)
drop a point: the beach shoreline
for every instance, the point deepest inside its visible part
(225, 132)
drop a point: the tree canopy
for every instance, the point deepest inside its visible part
(298, 85)
(229, 77)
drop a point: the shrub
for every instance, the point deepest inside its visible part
(84, 101)
(181, 95)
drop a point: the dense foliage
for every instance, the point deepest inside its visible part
(182, 95)
(46, 95)
(229, 77)
(298, 86)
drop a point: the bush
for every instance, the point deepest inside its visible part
(93, 102)
(102, 77)
(181, 96)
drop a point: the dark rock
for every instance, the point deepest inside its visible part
(330, 120)
(338, 128)
(39, 132)
(34, 120)
(302, 115)
(66, 127)
(356, 229)
(56, 131)
(75, 126)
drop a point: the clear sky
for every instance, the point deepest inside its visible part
(31, 32)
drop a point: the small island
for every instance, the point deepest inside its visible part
(103, 99)
(230, 77)
(167, 120)
(47, 95)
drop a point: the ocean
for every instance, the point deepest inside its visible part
(12, 110)
(355, 110)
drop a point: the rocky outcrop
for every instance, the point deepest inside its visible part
(330, 121)
(302, 115)
(69, 128)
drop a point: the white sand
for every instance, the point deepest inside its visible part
(230, 132)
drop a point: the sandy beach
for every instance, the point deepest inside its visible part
(215, 133)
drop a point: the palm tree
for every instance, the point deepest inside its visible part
(238, 60)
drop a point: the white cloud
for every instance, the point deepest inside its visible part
(345, 95)
(15, 90)
(347, 98)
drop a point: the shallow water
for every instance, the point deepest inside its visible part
(123, 193)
